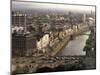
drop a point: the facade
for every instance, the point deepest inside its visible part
(28, 44)
(43, 42)
(23, 45)
(18, 19)
(91, 21)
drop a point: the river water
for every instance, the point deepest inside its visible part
(75, 46)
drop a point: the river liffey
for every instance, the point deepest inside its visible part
(75, 46)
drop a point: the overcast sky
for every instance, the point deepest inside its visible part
(18, 5)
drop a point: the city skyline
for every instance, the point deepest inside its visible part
(46, 7)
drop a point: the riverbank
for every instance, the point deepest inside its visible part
(75, 46)
(90, 48)
(60, 45)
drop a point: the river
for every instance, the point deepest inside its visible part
(75, 46)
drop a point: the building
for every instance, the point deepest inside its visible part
(26, 44)
(18, 19)
(43, 43)
(91, 21)
(23, 45)
(84, 18)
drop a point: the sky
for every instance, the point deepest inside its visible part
(22, 5)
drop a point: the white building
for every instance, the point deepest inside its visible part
(17, 28)
(43, 42)
(69, 31)
(91, 21)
